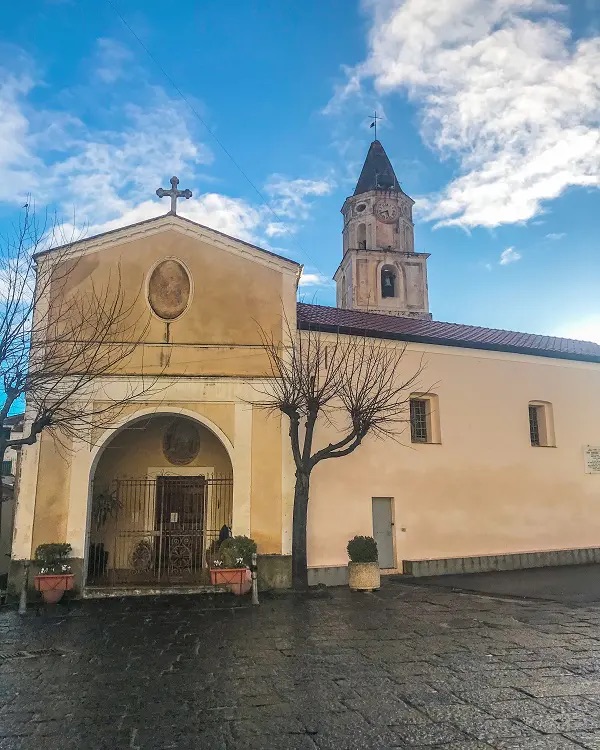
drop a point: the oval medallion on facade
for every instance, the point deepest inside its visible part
(169, 289)
(181, 442)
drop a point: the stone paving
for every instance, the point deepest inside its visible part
(406, 667)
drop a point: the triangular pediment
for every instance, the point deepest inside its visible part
(185, 227)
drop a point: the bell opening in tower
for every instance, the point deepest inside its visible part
(361, 237)
(388, 282)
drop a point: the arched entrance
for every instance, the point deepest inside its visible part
(162, 493)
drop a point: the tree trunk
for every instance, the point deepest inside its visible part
(299, 566)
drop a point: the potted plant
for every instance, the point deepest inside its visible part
(105, 505)
(55, 575)
(363, 568)
(231, 565)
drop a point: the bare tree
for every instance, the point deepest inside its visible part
(60, 334)
(356, 385)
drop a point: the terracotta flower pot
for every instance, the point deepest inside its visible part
(364, 576)
(52, 586)
(238, 580)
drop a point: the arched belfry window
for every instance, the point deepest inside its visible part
(389, 281)
(361, 236)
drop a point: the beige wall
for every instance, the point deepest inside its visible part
(266, 481)
(53, 479)
(138, 448)
(212, 350)
(246, 287)
(484, 489)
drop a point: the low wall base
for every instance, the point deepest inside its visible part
(489, 563)
(328, 576)
(274, 572)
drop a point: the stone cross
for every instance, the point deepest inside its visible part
(174, 193)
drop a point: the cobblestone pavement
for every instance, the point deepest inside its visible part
(406, 667)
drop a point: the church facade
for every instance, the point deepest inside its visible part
(494, 468)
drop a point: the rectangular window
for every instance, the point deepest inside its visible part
(534, 424)
(6, 468)
(419, 432)
(541, 424)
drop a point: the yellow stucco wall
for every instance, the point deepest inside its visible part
(231, 297)
(266, 481)
(221, 415)
(214, 347)
(484, 489)
(53, 477)
(138, 447)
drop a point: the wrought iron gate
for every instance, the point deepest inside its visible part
(157, 531)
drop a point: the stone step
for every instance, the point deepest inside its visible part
(114, 592)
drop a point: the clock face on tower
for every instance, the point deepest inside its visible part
(387, 211)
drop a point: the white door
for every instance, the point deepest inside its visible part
(383, 531)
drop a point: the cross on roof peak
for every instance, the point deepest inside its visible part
(174, 193)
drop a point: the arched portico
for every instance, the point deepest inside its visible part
(160, 493)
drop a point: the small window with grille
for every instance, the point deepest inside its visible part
(534, 424)
(419, 427)
(541, 424)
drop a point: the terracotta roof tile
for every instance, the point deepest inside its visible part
(444, 334)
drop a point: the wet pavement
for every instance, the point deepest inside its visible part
(574, 584)
(409, 666)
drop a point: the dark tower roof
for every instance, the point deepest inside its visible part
(377, 172)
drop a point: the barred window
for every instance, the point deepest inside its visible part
(419, 432)
(534, 425)
(541, 424)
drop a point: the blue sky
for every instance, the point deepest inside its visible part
(491, 114)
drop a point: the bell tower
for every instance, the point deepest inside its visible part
(380, 271)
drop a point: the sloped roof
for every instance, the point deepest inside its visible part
(443, 334)
(170, 218)
(377, 172)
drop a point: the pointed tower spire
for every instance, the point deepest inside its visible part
(380, 271)
(377, 172)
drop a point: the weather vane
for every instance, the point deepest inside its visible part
(374, 118)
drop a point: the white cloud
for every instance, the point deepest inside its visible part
(556, 235)
(585, 329)
(315, 278)
(277, 229)
(18, 163)
(232, 216)
(510, 255)
(107, 177)
(113, 60)
(290, 198)
(502, 87)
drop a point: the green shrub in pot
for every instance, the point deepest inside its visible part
(363, 568)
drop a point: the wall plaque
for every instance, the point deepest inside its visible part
(592, 459)
(169, 289)
(181, 442)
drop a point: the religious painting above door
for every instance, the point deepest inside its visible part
(169, 289)
(181, 442)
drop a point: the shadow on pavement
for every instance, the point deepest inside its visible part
(572, 584)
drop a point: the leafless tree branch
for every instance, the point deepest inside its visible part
(359, 385)
(59, 338)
